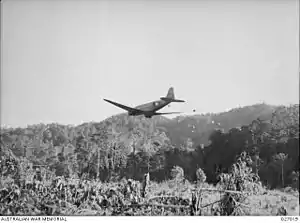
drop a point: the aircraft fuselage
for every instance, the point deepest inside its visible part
(150, 108)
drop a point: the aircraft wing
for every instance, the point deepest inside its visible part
(123, 106)
(166, 113)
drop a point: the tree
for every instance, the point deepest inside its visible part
(257, 161)
(280, 159)
(295, 179)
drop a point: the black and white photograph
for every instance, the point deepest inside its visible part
(149, 108)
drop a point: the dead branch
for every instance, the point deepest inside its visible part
(159, 205)
(162, 196)
(204, 206)
(224, 191)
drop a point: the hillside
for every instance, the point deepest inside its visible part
(199, 127)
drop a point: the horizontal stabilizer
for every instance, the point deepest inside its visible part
(166, 113)
(171, 99)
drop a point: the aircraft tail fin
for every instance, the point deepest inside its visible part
(171, 93)
(171, 96)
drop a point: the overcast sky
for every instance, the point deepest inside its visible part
(61, 58)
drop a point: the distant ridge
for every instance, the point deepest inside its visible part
(162, 118)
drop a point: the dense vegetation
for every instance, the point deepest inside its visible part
(199, 148)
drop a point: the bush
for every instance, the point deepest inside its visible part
(200, 175)
(241, 179)
(177, 173)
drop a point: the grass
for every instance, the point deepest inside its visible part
(269, 203)
(265, 203)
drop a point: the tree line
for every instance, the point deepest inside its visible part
(125, 147)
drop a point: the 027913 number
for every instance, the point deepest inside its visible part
(290, 218)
